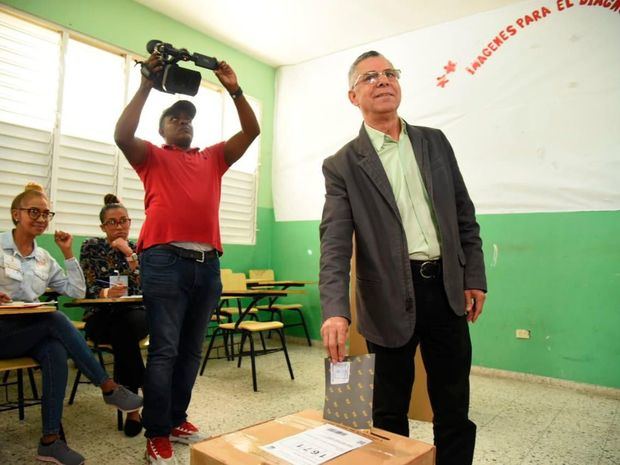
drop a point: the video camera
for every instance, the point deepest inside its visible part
(172, 78)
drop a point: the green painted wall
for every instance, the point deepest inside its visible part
(556, 274)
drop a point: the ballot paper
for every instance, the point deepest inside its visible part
(316, 445)
(119, 279)
(348, 391)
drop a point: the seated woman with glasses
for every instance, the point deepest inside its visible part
(111, 269)
(26, 270)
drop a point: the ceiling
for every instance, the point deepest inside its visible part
(285, 32)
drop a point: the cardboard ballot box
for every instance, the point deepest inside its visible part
(243, 447)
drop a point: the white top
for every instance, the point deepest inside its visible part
(26, 278)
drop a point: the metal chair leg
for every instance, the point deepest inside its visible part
(241, 344)
(230, 357)
(33, 384)
(303, 323)
(75, 386)
(288, 361)
(204, 362)
(20, 393)
(252, 358)
(262, 341)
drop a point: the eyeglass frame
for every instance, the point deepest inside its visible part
(35, 213)
(377, 75)
(113, 223)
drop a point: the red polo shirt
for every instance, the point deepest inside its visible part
(182, 195)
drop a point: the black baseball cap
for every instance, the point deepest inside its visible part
(178, 107)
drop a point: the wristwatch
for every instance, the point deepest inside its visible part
(132, 258)
(236, 94)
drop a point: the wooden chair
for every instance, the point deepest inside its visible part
(18, 365)
(247, 329)
(227, 313)
(278, 309)
(234, 282)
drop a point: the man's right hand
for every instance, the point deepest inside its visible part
(334, 332)
(154, 65)
(4, 298)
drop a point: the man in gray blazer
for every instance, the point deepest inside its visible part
(420, 268)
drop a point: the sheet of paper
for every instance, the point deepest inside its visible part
(340, 372)
(316, 446)
(119, 279)
(17, 304)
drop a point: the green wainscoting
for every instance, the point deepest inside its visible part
(556, 274)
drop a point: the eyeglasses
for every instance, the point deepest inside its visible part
(114, 223)
(34, 213)
(372, 77)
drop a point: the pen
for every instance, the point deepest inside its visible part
(107, 283)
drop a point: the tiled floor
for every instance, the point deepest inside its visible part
(519, 422)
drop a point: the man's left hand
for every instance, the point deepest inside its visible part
(474, 301)
(227, 77)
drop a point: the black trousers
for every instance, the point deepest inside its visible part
(123, 328)
(445, 345)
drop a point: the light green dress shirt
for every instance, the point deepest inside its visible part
(415, 209)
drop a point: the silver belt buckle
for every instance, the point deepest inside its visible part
(423, 274)
(202, 257)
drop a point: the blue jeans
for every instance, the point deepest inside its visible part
(49, 338)
(179, 295)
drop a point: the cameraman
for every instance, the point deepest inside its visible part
(180, 246)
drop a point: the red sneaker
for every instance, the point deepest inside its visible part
(159, 451)
(186, 433)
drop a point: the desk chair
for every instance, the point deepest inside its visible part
(227, 313)
(234, 282)
(247, 329)
(277, 309)
(18, 365)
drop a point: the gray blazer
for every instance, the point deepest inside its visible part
(359, 199)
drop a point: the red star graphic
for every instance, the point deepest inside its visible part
(450, 67)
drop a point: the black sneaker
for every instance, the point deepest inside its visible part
(123, 399)
(58, 452)
(132, 427)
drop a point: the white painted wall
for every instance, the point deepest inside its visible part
(535, 128)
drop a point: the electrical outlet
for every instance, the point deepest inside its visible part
(522, 333)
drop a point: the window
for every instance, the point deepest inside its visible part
(57, 127)
(27, 106)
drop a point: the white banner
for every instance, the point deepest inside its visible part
(528, 95)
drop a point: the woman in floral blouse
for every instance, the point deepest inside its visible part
(121, 326)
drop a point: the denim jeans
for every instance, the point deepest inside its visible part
(179, 295)
(49, 338)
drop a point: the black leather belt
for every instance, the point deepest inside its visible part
(196, 255)
(426, 269)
